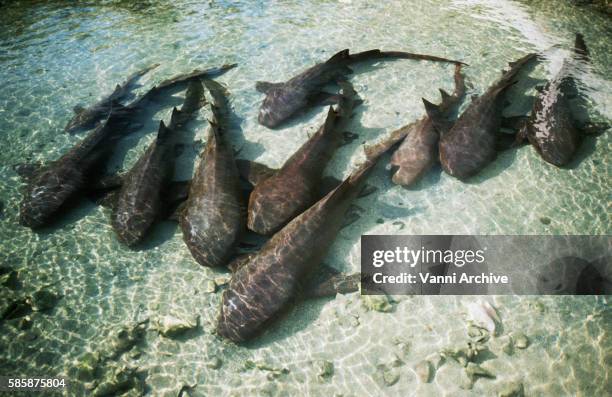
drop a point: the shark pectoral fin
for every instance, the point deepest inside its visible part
(352, 215)
(326, 98)
(78, 109)
(254, 172)
(27, 170)
(327, 281)
(594, 129)
(348, 137)
(265, 86)
(366, 190)
(329, 183)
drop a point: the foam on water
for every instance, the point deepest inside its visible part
(53, 56)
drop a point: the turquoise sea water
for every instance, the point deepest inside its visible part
(55, 55)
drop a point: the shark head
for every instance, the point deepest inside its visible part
(280, 104)
(82, 119)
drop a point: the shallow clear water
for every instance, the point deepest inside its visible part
(54, 56)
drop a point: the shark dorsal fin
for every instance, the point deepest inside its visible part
(445, 95)
(340, 55)
(433, 111)
(174, 118)
(163, 131)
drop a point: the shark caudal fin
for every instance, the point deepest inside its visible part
(345, 57)
(378, 54)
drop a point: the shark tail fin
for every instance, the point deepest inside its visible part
(421, 57)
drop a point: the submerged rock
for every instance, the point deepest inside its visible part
(120, 380)
(15, 308)
(187, 390)
(467, 354)
(274, 372)
(508, 346)
(43, 300)
(385, 375)
(474, 371)
(403, 347)
(477, 333)
(125, 338)
(9, 278)
(171, 326)
(545, 220)
(424, 371)
(436, 360)
(520, 340)
(380, 303)
(513, 389)
(214, 363)
(325, 369)
(222, 280)
(86, 366)
(210, 287)
(25, 323)
(484, 315)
